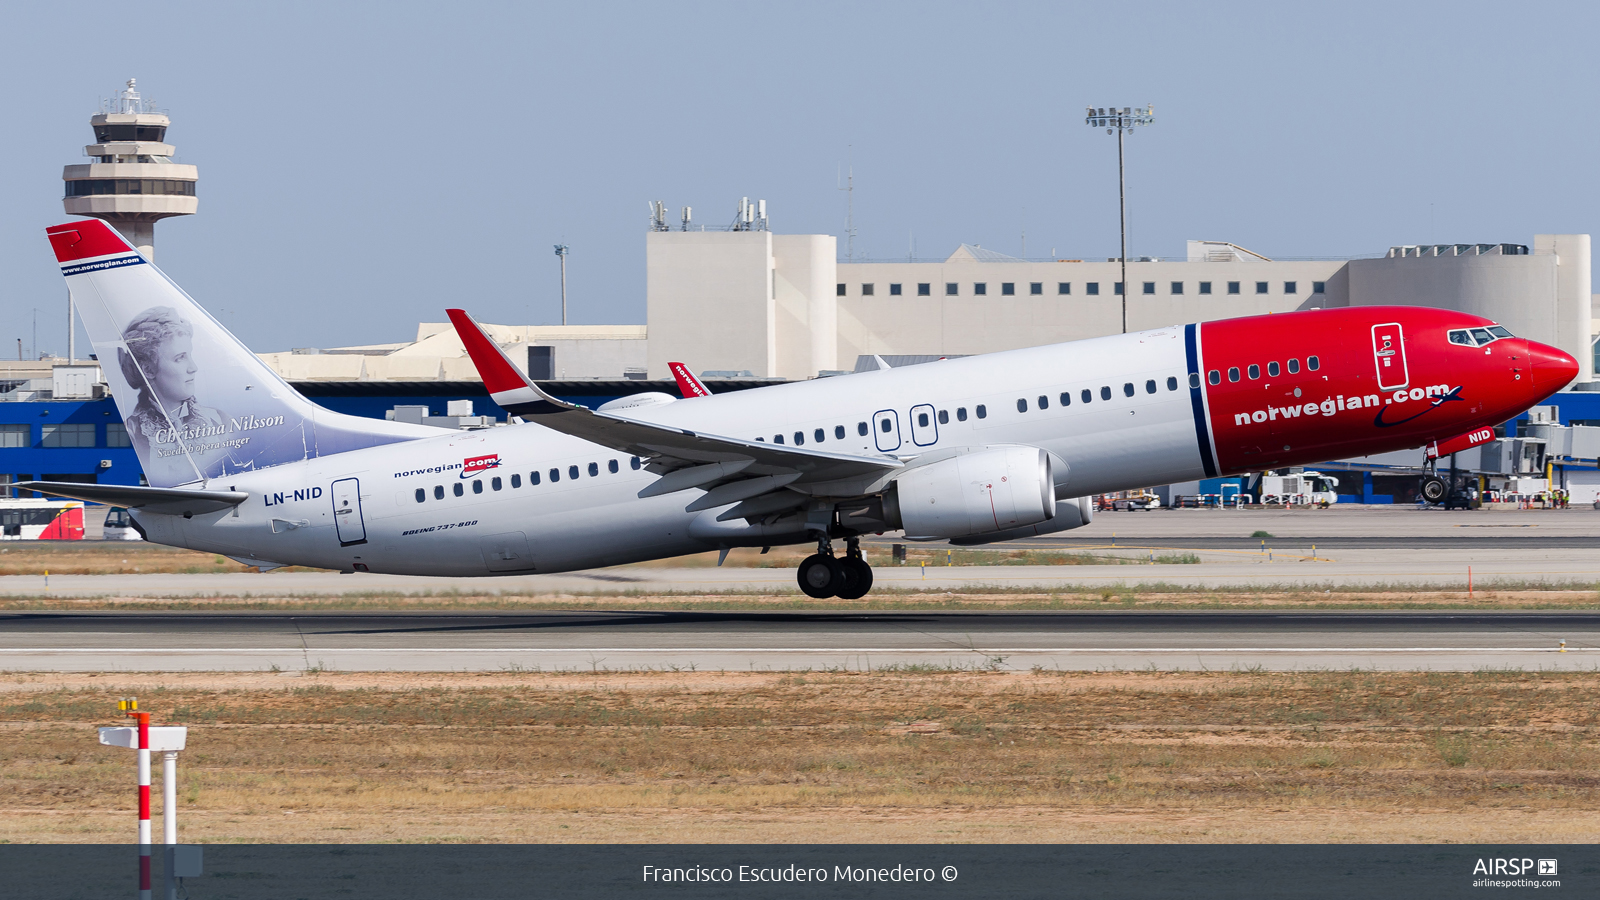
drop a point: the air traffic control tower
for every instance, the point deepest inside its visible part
(133, 181)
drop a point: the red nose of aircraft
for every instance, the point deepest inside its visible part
(1553, 369)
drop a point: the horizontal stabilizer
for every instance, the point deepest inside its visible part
(167, 501)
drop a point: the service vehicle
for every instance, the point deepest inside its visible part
(38, 519)
(119, 526)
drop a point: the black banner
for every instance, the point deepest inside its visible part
(491, 872)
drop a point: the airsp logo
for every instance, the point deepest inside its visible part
(1502, 866)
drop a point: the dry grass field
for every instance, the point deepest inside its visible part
(1137, 597)
(138, 557)
(882, 757)
(111, 558)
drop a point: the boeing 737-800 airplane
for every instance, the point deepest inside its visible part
(973, 450)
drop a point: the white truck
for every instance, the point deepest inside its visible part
(1302, 489)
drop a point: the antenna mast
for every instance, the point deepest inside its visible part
(850, 215)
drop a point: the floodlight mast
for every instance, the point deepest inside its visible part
(1122, 122)
(561, 251)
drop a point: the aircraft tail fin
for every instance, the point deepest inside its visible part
(196, 402)
(688, 385)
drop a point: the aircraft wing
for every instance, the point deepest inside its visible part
(170, 501)
(672, 448)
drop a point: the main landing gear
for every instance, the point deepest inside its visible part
(824, 575)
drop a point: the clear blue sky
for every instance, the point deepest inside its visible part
(363, 166)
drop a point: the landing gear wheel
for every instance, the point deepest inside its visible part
(1434, 489)
(860, 578)
(820, 576)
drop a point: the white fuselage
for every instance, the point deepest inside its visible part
(598, 519)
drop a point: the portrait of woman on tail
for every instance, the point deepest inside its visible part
(159, 363)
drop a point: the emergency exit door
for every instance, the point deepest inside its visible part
(1389, 355)
(347, 519)
(924, 425)
(886, 429)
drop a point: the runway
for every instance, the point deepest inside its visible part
(1345, 527)
(1365, 547)
(640, 641)
(1255, 569)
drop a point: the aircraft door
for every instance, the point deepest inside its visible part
(924, 425)
(347, 520)
(1389, 354)
(886, 429)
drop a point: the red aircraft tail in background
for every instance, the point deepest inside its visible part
(688, 385)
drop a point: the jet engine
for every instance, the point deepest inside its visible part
(1071, 512)
(993, 490)
(637, 401)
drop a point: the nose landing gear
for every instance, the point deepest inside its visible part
(822, 575)
(1434, 489)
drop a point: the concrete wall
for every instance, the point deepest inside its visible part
(605, 359)
(1573, 300)
(710, 301)
(969, 323)
(807, 311)
(781, 306)
(1543, 296)
(581, 352)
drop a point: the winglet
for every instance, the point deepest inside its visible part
(688, 385)
(505, 382)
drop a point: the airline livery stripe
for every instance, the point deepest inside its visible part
(98, 265)
(1202, 433)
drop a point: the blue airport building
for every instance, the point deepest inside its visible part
(84, 440)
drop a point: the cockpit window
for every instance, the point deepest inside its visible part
(1477, 337)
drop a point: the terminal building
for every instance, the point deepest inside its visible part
(748, 307)
(782, 306)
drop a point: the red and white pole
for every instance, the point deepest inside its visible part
(144, 805)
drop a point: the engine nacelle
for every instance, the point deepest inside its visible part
(1071, 512)
(638, 401)
(975, 493)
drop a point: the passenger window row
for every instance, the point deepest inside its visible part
(496, 483)
(1087, 394)
(1254, 370)
(819, 434)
